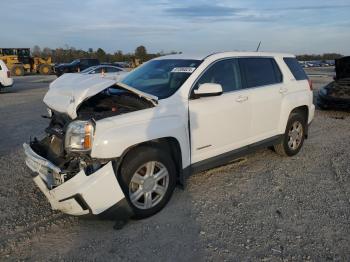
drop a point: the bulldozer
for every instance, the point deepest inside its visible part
(19, 61)
(135, 62)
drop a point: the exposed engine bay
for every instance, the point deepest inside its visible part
(108, 103)
(336, 95)
(105, 105)
(339, 88)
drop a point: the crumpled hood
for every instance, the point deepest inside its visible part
(67, 92)
(342, 67)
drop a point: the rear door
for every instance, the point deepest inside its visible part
(264, 78)
(220, 124)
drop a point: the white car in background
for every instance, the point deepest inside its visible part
(99, 73)
(5, 76)
(123, 146)
(107, 70)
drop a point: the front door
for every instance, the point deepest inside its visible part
(219, 124)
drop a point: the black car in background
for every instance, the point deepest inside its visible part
(75, 66)
(336, 95)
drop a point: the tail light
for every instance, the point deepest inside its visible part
(310, 84)
(8, 74)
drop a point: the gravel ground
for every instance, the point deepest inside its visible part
(263, 207)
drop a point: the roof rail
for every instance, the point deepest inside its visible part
(211, 55)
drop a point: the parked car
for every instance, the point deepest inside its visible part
(336, 95)
(101, 71)
(5, 76)
(124, 146)
(77, 65)
(107, 70)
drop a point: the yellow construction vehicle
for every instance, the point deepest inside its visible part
(135, 62)
(19, 61)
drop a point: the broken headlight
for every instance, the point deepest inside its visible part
(79, 136)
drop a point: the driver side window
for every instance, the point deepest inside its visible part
(225, 72)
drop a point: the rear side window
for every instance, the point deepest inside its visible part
(294, 66)
(260, 71)
(0, 67)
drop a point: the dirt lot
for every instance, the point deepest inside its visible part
(262, 208)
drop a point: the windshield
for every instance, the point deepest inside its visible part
(161, 78)
(88, 69)
(23, 52)
(76, 61)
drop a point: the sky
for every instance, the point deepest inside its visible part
(197, 26)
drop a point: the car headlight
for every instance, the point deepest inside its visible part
(79, 136)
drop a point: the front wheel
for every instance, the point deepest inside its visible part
(148, 179)
(293, 137)
(18, 70)
(45, 69)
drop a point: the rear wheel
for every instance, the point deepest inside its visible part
(148, 179)
(294, 136)
(45, 69)
(17, 70)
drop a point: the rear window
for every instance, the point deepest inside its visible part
(260, 71)
(296, 69)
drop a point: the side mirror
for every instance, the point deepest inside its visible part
(208, 89)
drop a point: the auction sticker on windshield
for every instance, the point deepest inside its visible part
(183, 70)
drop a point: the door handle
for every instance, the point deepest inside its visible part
(283, 90)
(241, 99)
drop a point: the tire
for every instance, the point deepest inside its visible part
(287, 147)
(45, 69)
(17, 70)
(140, 188)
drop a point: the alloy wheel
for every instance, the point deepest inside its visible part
(149, 185)
(295, 135)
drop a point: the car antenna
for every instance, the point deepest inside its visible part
(257, 49)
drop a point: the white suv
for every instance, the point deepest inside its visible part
(5, 76)
(123, 147)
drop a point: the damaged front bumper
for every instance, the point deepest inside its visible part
(82, 194)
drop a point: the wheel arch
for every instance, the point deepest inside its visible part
(300, 109)
(304, 111)
(168, 144)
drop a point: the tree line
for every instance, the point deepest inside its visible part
(68, 54)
